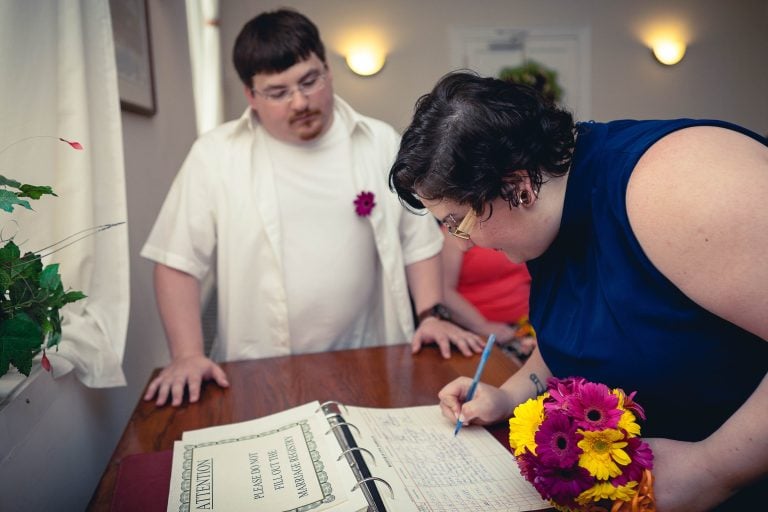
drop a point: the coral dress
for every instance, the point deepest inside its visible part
(496, 286)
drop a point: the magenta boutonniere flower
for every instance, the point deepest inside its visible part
(364, 203)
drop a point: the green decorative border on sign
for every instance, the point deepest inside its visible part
(319, 466)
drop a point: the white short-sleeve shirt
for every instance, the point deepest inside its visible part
(278, 226)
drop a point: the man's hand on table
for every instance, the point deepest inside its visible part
(443, 333)
(184, 372)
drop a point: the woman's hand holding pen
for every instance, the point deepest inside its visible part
(489, 404)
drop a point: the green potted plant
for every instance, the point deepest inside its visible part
(538, 76)
(31, 294)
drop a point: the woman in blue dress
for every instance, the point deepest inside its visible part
(647, 244)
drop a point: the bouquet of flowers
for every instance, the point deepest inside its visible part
(578, 444)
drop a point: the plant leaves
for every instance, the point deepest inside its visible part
(8, 199)
(54, 339)
(30, 294)
(21, 339)
(35, 191)
(50, 278)
(9, 253)
(73, 296)
(5, 281)
(7, 182)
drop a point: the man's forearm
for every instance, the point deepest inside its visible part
(178, 299)
(425, 283)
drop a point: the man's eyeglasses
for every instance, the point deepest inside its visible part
(308, 86)
(464, 227)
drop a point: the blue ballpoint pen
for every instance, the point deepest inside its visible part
(478, 373)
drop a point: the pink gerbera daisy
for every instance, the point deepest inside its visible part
(560, 390)
(594, 407)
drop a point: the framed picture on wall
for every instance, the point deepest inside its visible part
(133, 54)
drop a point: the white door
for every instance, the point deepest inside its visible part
(566, 50)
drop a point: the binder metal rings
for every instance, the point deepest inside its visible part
(357, 448)
(341, 424)
(370, 478)
(324, 406)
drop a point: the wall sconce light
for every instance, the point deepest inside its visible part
(366, 60)
(668, 51)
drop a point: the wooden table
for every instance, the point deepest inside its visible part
(374, 377)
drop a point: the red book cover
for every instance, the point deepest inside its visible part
(143, 482)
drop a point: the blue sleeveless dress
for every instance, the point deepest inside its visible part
(602, 311)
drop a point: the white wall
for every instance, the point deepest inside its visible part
(65, 432)
(723, 75)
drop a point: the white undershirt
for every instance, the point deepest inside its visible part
(329, 256)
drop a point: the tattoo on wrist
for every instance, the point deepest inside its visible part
(537, 384)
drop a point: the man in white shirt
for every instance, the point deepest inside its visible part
(276, 204)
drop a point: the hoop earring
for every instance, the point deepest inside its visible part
(524, 198)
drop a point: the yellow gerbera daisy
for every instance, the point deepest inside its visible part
(618, 393)
(607, 491)
(628, 422)
(602, 451)
(524, 423)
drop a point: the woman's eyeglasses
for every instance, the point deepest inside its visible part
(464, 227)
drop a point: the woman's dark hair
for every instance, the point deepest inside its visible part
(471, 133)
(274, 41)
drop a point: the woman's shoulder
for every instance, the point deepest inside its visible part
(695, 202)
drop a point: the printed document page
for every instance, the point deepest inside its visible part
(283, 462)
(430, 469)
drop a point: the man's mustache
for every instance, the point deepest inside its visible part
(303, 116)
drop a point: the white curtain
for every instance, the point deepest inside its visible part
(205, 54)
(59, 80)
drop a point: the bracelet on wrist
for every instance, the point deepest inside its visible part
(438, 311)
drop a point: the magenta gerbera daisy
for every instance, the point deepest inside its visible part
(527, 463)
(642, 458)
(364, 203)
(562, 484)
(560, 390)
(594, 407)
(556, 441)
